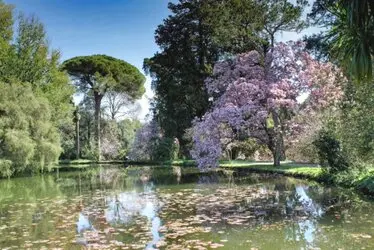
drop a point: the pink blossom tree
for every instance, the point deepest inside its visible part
(257, 95)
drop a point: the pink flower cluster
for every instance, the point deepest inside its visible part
(247, 89)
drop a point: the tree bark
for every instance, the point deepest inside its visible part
(89, 132)
(98, 97)
(278, 140)
(77, 138)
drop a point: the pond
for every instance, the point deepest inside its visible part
(179, 208)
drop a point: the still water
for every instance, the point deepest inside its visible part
(179, 208)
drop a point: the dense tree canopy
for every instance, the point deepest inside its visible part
(194, 37)
(99, 74)
(35, 96)
(28, 138)
(222, 87)
(6, 32)
(179, 70)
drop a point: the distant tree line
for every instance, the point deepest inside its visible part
(38, 120)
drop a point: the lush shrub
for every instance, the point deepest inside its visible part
(28, 139)
(241, 149)
(6, 169)
(68, 142)
(331, 155)
(303, 150)
(165, 149)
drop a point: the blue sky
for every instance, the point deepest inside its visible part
(119, 28)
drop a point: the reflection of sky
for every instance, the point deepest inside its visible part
(308, 204)
(124, 207)
(83, 224)
(308, 227)
(150, 211)
(305, 229)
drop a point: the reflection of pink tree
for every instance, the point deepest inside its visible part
(256, 96)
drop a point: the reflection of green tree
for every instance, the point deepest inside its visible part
(98, 177)
(29, 189)
(24, 201)
(229, 174)
(177, 171)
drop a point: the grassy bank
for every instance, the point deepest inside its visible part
(289, 169)
(362, 181)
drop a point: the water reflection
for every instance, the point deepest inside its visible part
(157, 208)
(124, 208)
(177, 171)
(83, 224)
(309, 211)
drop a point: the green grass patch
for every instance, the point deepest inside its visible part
(75, 162)
(308, 170)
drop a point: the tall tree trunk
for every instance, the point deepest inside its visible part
(76, 120)
(77, 137)
(98, 97)
(89, 133)
(277, 154)
(278, 140)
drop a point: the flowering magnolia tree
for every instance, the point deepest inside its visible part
(256, 96)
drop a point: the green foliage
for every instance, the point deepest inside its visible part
(89, 153)
(117, 136)
(165, 149)
(356, 124)
(247, 147)
(29, 60)
(303, 151)
(332, 157)
(240, 148)
(97, 74)
(179, 71)
(366, 184)
(28, 138)
(35, 97)
(128, 128)
(349, 38)
(6, 21)
(233, 32)
(6, 33)
(243, 25)
(6, 169)
(68, 143)
(102, 73)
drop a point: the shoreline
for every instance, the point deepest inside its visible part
(362, 182)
